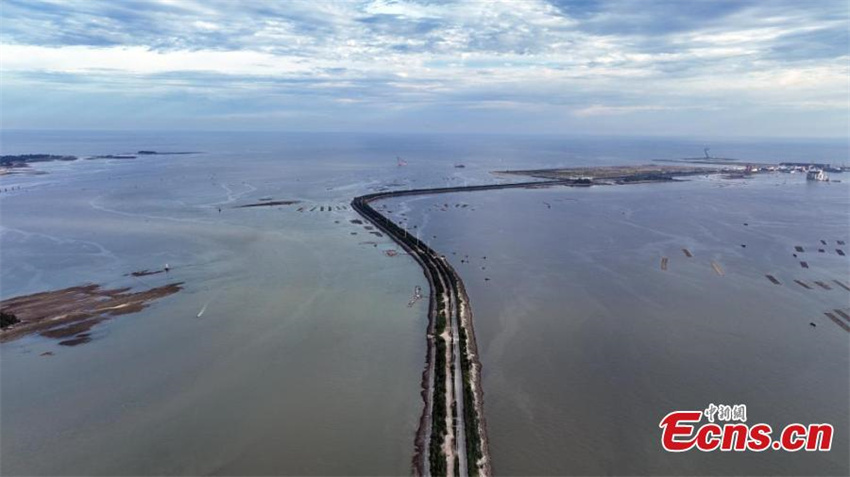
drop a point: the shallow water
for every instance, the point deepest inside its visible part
(305, 349)
(586, 344)
(305, 358)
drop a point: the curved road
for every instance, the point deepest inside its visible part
(437, 269)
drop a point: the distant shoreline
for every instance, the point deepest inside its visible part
(21, 163)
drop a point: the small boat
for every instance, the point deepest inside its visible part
(817, 175)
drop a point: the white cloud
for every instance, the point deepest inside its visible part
(500, 55)
(603, 110)
(135, 59)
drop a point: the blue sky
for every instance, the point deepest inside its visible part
(631, 67)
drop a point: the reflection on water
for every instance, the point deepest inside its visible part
(291, 349)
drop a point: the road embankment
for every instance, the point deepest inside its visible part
(452, 434)
(448, 441)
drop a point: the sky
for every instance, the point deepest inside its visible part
(759, 68)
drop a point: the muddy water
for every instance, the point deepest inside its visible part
(291, 349)
(587, 343)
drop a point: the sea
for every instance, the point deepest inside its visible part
(292, 348)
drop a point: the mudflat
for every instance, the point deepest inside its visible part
(68, 314)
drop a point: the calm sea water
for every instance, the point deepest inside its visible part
(586, 343)
(306, 358)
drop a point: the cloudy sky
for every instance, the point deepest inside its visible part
(635, 67)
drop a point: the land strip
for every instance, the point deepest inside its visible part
(617, 174)
(267, 203)
(69, 314)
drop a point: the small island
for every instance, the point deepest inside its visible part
(113, 156)
(20, 163)
(69, 314)
(12, 160)
(161, 153)
(616, 174)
